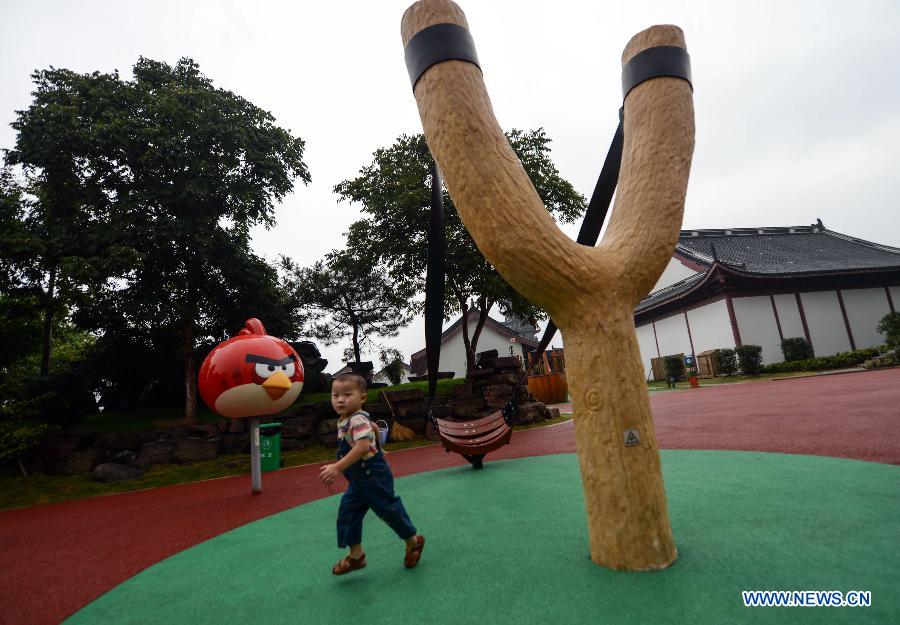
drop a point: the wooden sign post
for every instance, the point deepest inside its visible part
(590, 292)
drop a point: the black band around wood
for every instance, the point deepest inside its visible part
(436, 44)
(668, 61)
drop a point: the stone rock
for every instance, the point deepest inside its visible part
(531, 412)
(234, 443)
(205, 430)
(328, 426)
(145, 436)
(498, 395)
(416, 425)
(324, 409)
(410, 407)
(554, 413)
(522, 395)
(56, 449)
(481, 357)
(405, 395)
(442, 412)
(506, 363)
(379, 409)
(158, 452)
(468, 409)
(114, 472)
(222, 424)
(479, 374)
(126, 456)
(237, 426)
(329, 439)
(414, 412)
(299, 427)
(462, 391)
(84, 434)
(79, 461)
(509, 379)
(196, 449)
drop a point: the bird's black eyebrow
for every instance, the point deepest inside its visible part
(270, 361)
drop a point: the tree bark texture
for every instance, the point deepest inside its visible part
(590, 292)
(190, 371)
(47, 331)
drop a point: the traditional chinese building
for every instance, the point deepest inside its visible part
(725, 288)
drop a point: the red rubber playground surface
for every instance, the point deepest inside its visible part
(59, 557)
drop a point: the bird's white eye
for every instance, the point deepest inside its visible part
(288, 369)
(265, 371)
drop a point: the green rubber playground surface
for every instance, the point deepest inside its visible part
(509, 545)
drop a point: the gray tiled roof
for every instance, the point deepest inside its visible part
(797, 250)
(669, 292)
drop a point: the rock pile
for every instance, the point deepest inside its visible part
(126, 455)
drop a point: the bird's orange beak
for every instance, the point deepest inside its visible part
(277, 385)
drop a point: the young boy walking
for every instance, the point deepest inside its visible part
(362, 462)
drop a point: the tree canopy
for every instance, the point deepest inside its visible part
(394, 191)
(347, 296)
(144, 192)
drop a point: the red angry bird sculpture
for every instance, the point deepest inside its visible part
(251, 375)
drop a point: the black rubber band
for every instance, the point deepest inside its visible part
(658, 62)
(436, 44)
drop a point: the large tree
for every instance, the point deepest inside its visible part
(60, 232)
(347, 296)
(394, 191)
(198, 167)
(144, 195)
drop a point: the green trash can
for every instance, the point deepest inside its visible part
(270, 446)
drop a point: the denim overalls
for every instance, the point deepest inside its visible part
(371, 486)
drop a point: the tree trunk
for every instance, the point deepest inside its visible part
(190, 374)
(484, 306)
(47, 332)
(467, 343)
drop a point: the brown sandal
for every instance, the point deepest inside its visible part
(349, 564)
(414, 553)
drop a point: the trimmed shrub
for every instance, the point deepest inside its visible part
(750, 359)
(838, 361)
(727, 361)
(796, 348)
(890, 327)
(674, 367)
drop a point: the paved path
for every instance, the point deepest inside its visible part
(58, 557)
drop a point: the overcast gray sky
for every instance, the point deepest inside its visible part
(797, 103)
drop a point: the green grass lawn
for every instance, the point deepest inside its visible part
(20, 492)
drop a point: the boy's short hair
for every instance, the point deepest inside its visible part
(357, 380)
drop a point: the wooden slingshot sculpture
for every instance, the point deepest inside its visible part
(590, 292)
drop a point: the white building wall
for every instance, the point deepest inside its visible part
(674, 272)
(789, 316)
(672, 335)
(710, 327)
(453, 351)
(826, 323)
(756, 323)
(895, 297)
(647, 345)
(865, 308)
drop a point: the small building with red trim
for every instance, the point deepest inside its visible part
(743, 286)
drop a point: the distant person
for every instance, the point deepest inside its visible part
(362, 462)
